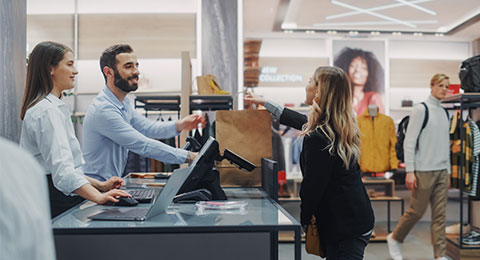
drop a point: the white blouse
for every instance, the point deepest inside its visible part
(47, 133)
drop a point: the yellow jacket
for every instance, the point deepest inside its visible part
(378, 139)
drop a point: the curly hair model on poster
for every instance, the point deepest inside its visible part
(366, 76)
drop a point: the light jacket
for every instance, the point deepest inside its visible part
(378, 139)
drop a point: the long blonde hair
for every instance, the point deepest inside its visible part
(332, 113)
(437, 78)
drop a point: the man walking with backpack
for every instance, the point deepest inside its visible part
(427, 160)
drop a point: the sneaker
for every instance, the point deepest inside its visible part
(394, 248)
(441, 258)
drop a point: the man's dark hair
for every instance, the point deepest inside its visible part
(376, 77)
(109, 56)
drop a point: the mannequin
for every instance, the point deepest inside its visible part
(378, 138)
(372, 110)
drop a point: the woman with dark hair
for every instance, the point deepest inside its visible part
(48, 134)
(332, 188)
(366, 76)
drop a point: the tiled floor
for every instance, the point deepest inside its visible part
(417, 244)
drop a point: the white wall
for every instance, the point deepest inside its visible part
(163, 75)
(429, 50)
(397, 49)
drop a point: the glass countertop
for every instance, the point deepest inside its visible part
(259, 212)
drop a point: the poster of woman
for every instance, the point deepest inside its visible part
(364, 63)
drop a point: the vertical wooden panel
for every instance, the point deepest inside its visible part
(186, 92)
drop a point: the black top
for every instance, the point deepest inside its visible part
(292, 118)
(335, 195)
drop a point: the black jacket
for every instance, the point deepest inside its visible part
(336, 196)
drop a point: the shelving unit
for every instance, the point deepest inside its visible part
(211, 102)
(388, 196)
(158, 103)
(455, 246)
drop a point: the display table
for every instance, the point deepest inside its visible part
(180, 233)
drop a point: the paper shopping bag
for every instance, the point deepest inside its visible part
(247, 133)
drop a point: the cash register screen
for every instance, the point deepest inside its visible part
(203, 163)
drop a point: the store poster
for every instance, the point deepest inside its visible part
(364, 61)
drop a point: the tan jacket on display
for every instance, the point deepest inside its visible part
(378, 139)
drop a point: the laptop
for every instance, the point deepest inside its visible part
(160, 205)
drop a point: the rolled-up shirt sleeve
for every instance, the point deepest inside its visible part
(274, 109)
(154, 129)
(50, 134)
(110, 123)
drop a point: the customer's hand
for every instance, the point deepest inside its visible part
(112, 196)
(112, 183)
(252, 99)
(410, 181)
(191, 156)
(190, 122)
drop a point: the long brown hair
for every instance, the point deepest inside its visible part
(332, 113)
(44, 57)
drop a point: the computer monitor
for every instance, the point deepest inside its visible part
(203, 175)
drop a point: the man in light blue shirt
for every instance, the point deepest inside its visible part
(112, 127)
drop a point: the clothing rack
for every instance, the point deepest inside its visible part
(211, 102)
(158, 103)
(149, 102)
(462, 101)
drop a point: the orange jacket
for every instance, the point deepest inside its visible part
(378, 139)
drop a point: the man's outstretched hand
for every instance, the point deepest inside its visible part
(190, 122)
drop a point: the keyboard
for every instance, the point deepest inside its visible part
(142, 195)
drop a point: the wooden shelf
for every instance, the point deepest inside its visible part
(469, 252)
(388, 184)
(386, 198)
(288, 236)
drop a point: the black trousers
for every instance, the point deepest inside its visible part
(349, 249)
(59, 202)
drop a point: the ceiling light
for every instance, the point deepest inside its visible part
(310, 32)
(366, 11)
(439, 34)
(332, 32)
(417, 34)
(375, 33)
(423, 9)
(378, 8)
(396, 33)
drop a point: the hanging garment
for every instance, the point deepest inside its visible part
(476, 163)
(378, 139)
(457, 155)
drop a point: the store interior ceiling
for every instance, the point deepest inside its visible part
(367, 18)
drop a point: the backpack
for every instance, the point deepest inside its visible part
(402, 130)
(470, 74)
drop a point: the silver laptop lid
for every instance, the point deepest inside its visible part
(169, 191)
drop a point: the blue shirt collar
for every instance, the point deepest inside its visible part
(114, 100)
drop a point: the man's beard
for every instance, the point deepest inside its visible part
(123, 84)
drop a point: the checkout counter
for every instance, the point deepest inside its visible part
(182, 232)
